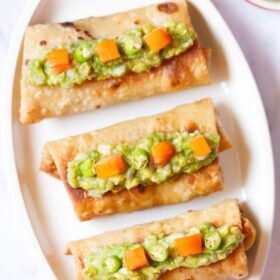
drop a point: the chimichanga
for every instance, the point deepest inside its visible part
(91, 63)
(198, 245)
(151, 161)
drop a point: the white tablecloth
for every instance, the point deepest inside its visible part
(258, 33)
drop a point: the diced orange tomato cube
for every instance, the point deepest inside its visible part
(162, 152)
(110, 166)
(136, 258)
(189, 245)
(59, 60)
(58, 57)
(107, 50)
(200, 146)
(157, 39)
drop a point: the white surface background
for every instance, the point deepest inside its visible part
(258, 33)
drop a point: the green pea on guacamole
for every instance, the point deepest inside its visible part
(107, 262)
(139, 168)
(135, 57)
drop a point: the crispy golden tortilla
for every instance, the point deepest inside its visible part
(199, 115)
(187, 70)
(226, 212)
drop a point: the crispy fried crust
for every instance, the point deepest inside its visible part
(226, 212)
(250, 233)
(202, 183)
(199, 115)
(187, 70)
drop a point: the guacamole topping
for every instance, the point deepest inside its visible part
(131, 54)
(110, 262)
(133, 164)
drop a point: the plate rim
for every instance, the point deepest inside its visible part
(25, 225)
(270, 6)
(11, 171)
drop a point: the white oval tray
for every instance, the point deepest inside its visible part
(44, 210)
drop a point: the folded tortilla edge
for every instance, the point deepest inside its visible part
(49, 166)
(77, 249)
(33, 110)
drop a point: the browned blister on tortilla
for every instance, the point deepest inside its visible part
(226, 212)
(199, 115)
(187, 70)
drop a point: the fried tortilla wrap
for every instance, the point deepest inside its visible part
(66, 157)
(49, 92)
(215, 260)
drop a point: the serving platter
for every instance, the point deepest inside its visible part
(273, 5)
(43, 208)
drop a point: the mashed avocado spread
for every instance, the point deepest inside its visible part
(137, 164)
(109, 261)
(86, 64)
